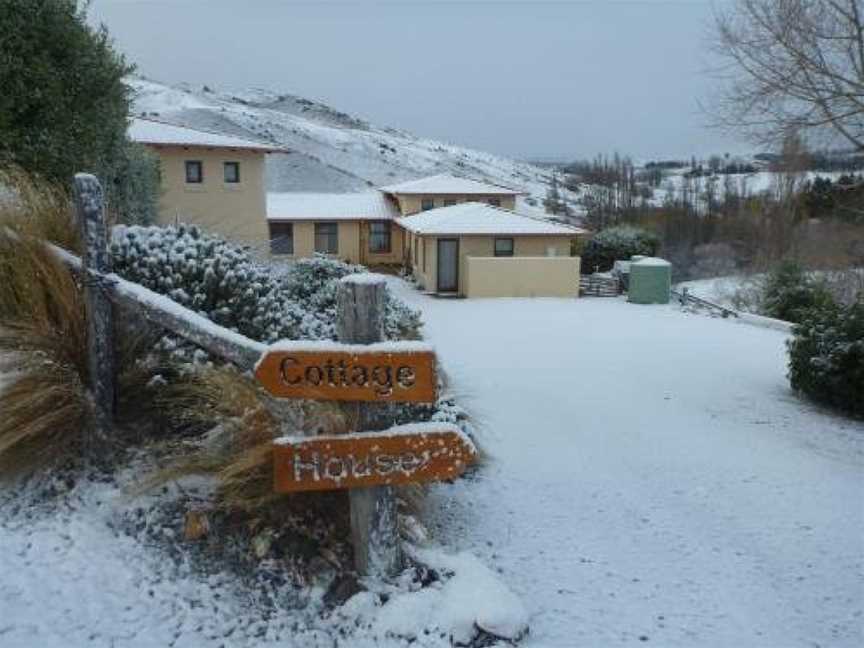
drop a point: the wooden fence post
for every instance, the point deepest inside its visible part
(89, 205)
(374, 530)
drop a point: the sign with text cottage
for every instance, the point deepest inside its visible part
(397, 372)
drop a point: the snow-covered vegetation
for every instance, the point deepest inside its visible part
(226, 284)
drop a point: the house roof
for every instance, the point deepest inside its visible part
(148, 131)
(369, 205)
(447, 184)
(480, 218)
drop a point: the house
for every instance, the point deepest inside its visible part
(447, 190)
(479, 250)
(208, 179)
(459, 236)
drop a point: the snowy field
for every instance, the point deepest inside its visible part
(652, 478)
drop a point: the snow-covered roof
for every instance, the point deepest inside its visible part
(651, 261)
(480, 218)
(148, 131)
(368, 205)
(447, 184)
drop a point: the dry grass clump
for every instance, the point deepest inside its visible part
(42, 329)
(43, 354)
(239, 422)
(32, 207)
(44, 397)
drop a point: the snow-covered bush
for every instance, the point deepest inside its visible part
(226, 284)
(790, 293)
(617, 243)
(826, 357)
(314, 281)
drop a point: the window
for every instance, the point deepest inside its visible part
(281, 238)
(503, 247)
(379, 237)
(495, 202)
(449, 202)
(232, 172)
(423, 250)
(416, 252)
(194, 171)
(426, 204)
(327, 238)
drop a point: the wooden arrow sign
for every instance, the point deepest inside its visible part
(391, 371)
(411, 453)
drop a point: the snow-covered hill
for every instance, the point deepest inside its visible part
(330, 150)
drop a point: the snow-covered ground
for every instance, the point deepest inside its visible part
(652, 478)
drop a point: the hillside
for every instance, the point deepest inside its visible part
(330, 150)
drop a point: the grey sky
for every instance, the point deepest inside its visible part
(529, 78)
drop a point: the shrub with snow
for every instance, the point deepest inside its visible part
(226, 284)
(617, 243)
(790, 293)
(826, 357)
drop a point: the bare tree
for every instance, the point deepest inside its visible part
(792, 65)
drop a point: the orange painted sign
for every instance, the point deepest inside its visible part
(406, 454)
(397, 372)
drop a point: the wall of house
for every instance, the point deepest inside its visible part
(411, 204)
(304, 241)
(234, 211)
(353, 243)
(385, 258)
(521, 277)
(483, 247)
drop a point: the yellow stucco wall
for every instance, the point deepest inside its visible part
(353, 243)
(235, 211)
(411, 203)
(481, 246)
(521, 277)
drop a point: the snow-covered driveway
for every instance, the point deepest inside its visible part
(652, 478)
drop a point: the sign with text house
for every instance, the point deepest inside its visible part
(419, 452)
(390, 371)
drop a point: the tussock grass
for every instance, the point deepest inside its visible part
(33, 207)
(239, 422)
(44, 398)
(42, 331)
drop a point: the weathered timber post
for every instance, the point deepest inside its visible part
(89, 205)
(374, 532)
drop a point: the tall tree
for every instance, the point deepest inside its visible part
(792, 65)
(63, 103)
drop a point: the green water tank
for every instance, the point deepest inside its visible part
(650, 281)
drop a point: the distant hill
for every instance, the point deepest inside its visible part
(331, 150)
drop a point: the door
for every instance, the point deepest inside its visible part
(448, 265)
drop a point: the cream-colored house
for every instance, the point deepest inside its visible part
(212, 180)
(457, 235)
(477, 250)
(447, 190)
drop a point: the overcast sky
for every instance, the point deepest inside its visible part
(525, 78)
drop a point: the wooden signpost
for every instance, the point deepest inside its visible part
(367, 374)
(401, 455)
(400, 372)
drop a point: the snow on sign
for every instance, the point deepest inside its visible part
(390, 371)
(405, 454)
